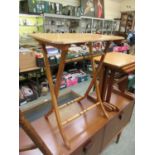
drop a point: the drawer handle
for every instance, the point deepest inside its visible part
(87, 146)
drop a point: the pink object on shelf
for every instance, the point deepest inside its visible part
(70, 80)
(117, 49)
(125, 48)
(120, 48)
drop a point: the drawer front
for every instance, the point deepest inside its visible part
(116, 124)
(91, 146)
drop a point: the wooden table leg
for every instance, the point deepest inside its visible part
(98, 94)
(100, 100)
(30, 131)
(60, 72)
(110, 84)
(98, 70)
(53, 96)
(101, 79)
(104, 83)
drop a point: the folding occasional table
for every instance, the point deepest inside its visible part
(63, 42)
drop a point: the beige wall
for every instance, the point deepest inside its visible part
(112, 9)
(128, 5)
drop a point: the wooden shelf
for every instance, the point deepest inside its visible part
(60, 16)
(30, 25)
(29, 69)
(29, 15)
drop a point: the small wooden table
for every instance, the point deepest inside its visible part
(63, 42)
(114, 62)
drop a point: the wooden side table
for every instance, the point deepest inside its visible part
(113, 62)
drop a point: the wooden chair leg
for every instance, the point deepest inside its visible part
(53, 97)
(30, 131)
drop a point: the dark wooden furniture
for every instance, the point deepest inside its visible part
(127, 22)
(89, 134)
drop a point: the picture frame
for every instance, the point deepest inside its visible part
(92, 8)
(99, 8)
(87, 8)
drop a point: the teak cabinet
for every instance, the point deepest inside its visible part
(116, 124)
(97, 143)
(90, 137)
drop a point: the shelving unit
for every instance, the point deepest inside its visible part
(30, 23)
(44, 99)
(89, 23)
(61, 16)
(127, 22)
(106, 26)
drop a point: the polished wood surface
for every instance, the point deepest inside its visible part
(31, 132)
(81, 131)
(117, 60)
(29, 69)
(70, 38)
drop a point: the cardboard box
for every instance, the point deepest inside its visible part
(27, 60)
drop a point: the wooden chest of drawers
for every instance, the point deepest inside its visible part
(88, 135)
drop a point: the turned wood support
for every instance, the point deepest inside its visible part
(80, 113)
